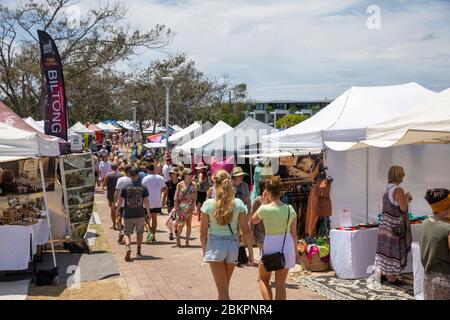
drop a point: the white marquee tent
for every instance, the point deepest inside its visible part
(427, 123)
(247, 133)
(195, 146)
(347, 118)
(194, 130)
(79, 128)
(38, 125)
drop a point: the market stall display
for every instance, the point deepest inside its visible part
(315, 254)
(353, 251)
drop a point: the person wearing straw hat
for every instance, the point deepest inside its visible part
(203, 185)
(241, 187)
(435, 246)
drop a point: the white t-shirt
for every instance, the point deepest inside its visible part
(166, 172)
(154, 184)
(122, 183)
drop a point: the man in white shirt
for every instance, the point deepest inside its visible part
(121, 184)
(155, 185)
(166, 174)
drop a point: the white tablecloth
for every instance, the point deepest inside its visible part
(353, 252)
(418, 271)
(15, 244)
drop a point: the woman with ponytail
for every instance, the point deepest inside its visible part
(219, 232)
(435, 246)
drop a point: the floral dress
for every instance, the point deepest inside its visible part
(185, 197)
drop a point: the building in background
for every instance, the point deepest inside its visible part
(271, 111)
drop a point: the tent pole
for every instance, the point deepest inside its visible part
(44, 190)
(367, 185)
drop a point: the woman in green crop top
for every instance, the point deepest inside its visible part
(435, 246)
(280, 224)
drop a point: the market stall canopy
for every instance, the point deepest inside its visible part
(194, 130)
(156, 145)
(112, 127)
(94, 128)
(29, 142)
(127, 125)
(347, 118)
(38, 125)
(427, 123)
(177, 128)
(81, 129)
(196, 145)
(247, 133)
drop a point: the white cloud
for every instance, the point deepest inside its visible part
(305, 48)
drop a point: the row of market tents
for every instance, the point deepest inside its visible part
(362, 132)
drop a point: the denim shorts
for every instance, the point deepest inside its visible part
(222, 249)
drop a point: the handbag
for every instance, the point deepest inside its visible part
(276, 261)
(242, 255)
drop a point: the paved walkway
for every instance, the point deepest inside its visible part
(167, 272)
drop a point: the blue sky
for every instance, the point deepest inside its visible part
(303, 49)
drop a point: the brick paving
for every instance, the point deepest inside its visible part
(167, 272)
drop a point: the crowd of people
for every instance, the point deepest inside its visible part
(139, 187)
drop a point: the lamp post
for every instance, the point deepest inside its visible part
(167, 84)
(134, 103)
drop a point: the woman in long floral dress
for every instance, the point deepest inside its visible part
(185, 199)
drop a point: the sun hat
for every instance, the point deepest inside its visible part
(201, 166)
(187, 171)
(173, 170)
(238, 172)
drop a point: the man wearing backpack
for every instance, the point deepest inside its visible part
(134, 198)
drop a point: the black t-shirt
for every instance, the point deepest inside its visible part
(171, 187)
(134, 195)
(111, 185)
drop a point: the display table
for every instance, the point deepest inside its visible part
(418, 271)
(353, 252)
(19, 243)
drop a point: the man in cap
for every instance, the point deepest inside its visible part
(134, 197)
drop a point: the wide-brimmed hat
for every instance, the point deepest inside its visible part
(238, 172)
(187, 171)
(201, 166)
(173, 170)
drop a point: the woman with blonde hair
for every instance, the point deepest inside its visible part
(219, 232)
(394, 233)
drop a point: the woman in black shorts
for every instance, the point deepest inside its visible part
(203, 185)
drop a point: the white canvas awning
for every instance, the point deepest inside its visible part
(38, 125)
(427, 123)
(81, 129)
(247, 133)
(196, 145)
(346, 119)
(194, 130)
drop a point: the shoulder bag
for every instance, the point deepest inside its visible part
(242, 255)
(276, 261)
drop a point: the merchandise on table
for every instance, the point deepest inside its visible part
(361, 226)
(413, 219)
(21, 213)
(315, 254)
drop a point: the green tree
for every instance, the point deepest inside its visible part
(88, 49)
(292, 110)
(290, 120)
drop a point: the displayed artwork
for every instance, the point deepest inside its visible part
(79, 188)
(298, 167)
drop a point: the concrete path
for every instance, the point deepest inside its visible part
(167, 272)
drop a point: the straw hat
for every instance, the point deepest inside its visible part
(238, 172)
(201, 166)
(173, 170)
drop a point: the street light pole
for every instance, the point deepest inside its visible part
(167, 84)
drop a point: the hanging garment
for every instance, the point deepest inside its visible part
(319, 205)
(256, 180)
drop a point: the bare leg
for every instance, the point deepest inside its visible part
(219, 271)
(113, 216)
(154, 223)
(198, 211)
(188, 229)
(280, 284)
(264, 283)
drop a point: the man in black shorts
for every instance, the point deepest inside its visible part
(155, 185)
